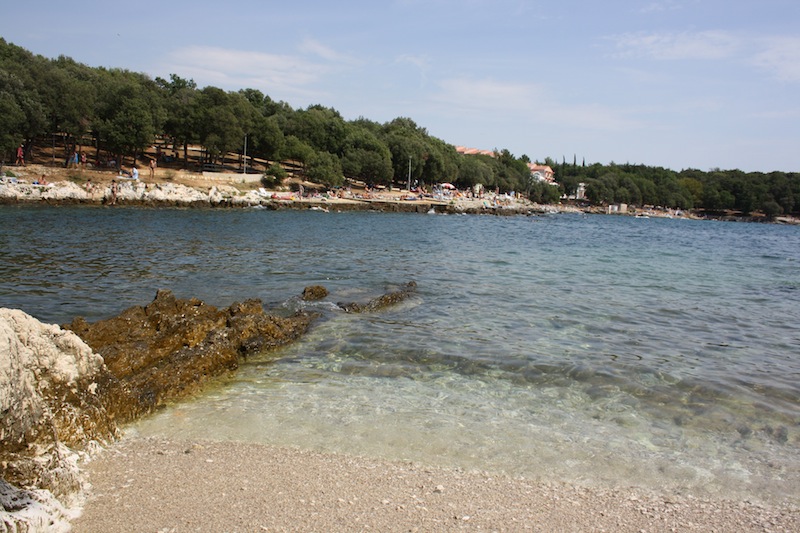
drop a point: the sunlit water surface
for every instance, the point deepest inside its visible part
(603, 350)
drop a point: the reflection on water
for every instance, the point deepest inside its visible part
(661, 353)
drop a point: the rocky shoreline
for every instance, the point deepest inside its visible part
(189, 190)
(170, 189)
(66, 390)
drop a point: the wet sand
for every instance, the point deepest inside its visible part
(176, 486)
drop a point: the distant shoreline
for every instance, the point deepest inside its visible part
(169, 188)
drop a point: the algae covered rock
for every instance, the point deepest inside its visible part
(314, 293)
(50, 383)
(172, 347)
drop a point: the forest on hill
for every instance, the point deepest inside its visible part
(121, 114)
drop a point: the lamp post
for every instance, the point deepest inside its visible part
(244, 171)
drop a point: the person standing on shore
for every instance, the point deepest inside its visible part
(152, 169)
(114, 190)
(21, 156)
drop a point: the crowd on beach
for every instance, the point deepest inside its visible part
(31, 183)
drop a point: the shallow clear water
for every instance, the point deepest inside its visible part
(610, 350)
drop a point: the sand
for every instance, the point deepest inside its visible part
(164, 486)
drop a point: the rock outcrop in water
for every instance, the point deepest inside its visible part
(171, 348)
(63, 390)
(49, 381)
(383, 301)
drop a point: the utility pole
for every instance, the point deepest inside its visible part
(244, 171)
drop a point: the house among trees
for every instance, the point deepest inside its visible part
(542, 173)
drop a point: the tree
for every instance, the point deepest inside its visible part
(130, 112)
(267, 139)
(472, 170)
(543, 193)
(69, 92)
(441, 163)
(771, 209)
(325, 168)
(180, 100)
(365, 157)
(223, 119)
(297, 150)
(22, 116)
(320, 127)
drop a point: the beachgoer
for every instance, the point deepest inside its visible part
(152, 168)
(114, 190)
(134, 173)
(42, 180)
(21, 155)
(83, 160)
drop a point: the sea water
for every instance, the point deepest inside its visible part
(603, 350)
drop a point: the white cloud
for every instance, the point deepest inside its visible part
(487, 95)
(237, 69)
(781, 57)
(421, 63)
(314, 47)
(778, 55)
(527, 103)
(660, 6)
(671, 46)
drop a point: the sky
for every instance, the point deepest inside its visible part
(679, 84)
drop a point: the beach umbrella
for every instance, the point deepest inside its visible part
(448, 186)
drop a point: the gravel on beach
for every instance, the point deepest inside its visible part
(159, 485)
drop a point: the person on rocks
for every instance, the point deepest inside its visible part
(114, 191)
(21, 155)
(133, 173)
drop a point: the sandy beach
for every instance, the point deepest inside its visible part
(173, 486)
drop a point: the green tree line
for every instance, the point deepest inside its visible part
(123, 113)
(772, 193)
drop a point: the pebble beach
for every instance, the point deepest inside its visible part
(177, 486)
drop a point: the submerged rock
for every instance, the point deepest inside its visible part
(383, 301)
(314, 293)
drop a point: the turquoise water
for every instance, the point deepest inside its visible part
(604, 350)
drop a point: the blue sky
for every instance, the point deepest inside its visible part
(674, 83)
